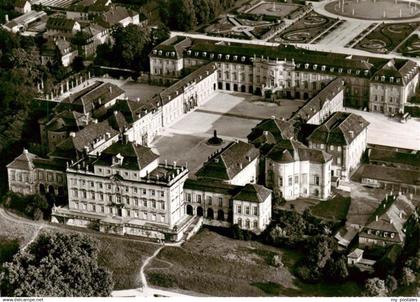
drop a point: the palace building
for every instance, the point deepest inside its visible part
(289, 72)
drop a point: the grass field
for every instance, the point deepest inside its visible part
(335, 209)
(123, 257)
(219, 266)
(23, 233)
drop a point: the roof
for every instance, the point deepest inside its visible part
(394, 157)
(396, 72)
(341, 128)
(92, 97)
(214, 186)
(391, 216)
(270, 131)
(315, 104)
(28, 161)
(356, 253)
(114, 15)
(66, 121)
(389, 174)
(229, 161)
(60, 23)
(173, 47)
(253, 193)
(135, 156)
(286, 151)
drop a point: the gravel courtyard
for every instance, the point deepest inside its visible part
(232, 115)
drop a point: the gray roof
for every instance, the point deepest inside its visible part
(227, 163)
(286, 151)
(270, 131)
(315, 104)
(253, 193)
(214, 186)
(341, 128)
(389, 174)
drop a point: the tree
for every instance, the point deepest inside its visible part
(128, 46)
(408, 277)
(336, 269)
(375, 287)
(391, 283)
(58, 265)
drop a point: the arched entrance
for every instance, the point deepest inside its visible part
(190, 210)
(220, 215)
(41, 189)
(210, 213)
(60, 191)
(51, 190)
(305, 96)
(243, 88)
(297, 95)
(199, 211)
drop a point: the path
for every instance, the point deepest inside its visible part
(345, 33)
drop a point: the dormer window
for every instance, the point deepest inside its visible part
(243, 59)
(117, 159)
(298, 65)
(196, 53)
(188, 52)
(160, 52)
(392, 235)
(349, 71)
(376, 78)
(235, 58)
(340, 70)
(391, 79)
(204, 54)
(227, 57)
(398, 80)
(332, 69)
(323, 67)
(358, 72)
(167, 54)
(219, 56)
(382, 78)
(211, 55)
(154, 51)
(315, 66)
(173, 53)
(306, 66)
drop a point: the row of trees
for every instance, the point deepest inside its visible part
(184, 15)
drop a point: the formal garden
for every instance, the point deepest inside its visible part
(410, 47)
(386, 37)
(305, 29)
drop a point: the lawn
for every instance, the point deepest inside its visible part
(335, 209)
(219, 266)
(22, 232)
(122, 256)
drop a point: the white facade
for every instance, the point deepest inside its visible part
(252, 216)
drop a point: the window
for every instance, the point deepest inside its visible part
(338, 160)
(316, 179)
(247, 210)
(145, 203)
(248, 224)
(240, 222)
(144, 192)
(209, 200)
(255, 225)
(296, 179)
(290, 181)
(339, 148)
(162, 193)
(281, 181)
(189, 197)
(332, 148)
(110, 198)
(154, 204)
(136, 201)
(152, 192)
(239, 209)
(220, 201)
(199, 198)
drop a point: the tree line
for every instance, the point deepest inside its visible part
(184, 15)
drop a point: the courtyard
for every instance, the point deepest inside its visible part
(232, 115)
(390, 132)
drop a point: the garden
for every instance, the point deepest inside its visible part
(386, 37)
(305, 29)
(411, 47)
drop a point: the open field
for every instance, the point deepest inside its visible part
(390, 132)
(232, 115)
(219, 266)
(122, 256)
(273, 8)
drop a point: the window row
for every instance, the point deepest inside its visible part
(247, 210)
(200, 199)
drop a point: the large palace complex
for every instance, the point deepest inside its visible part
(99, 140)
(379, 84)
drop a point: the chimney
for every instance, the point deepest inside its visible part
(376, 218)
(6, 18)
(174, 164)
(95, 121)
(110, 89)
(166, 163)
(265, 133)
(115, 112)
(72, 134)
